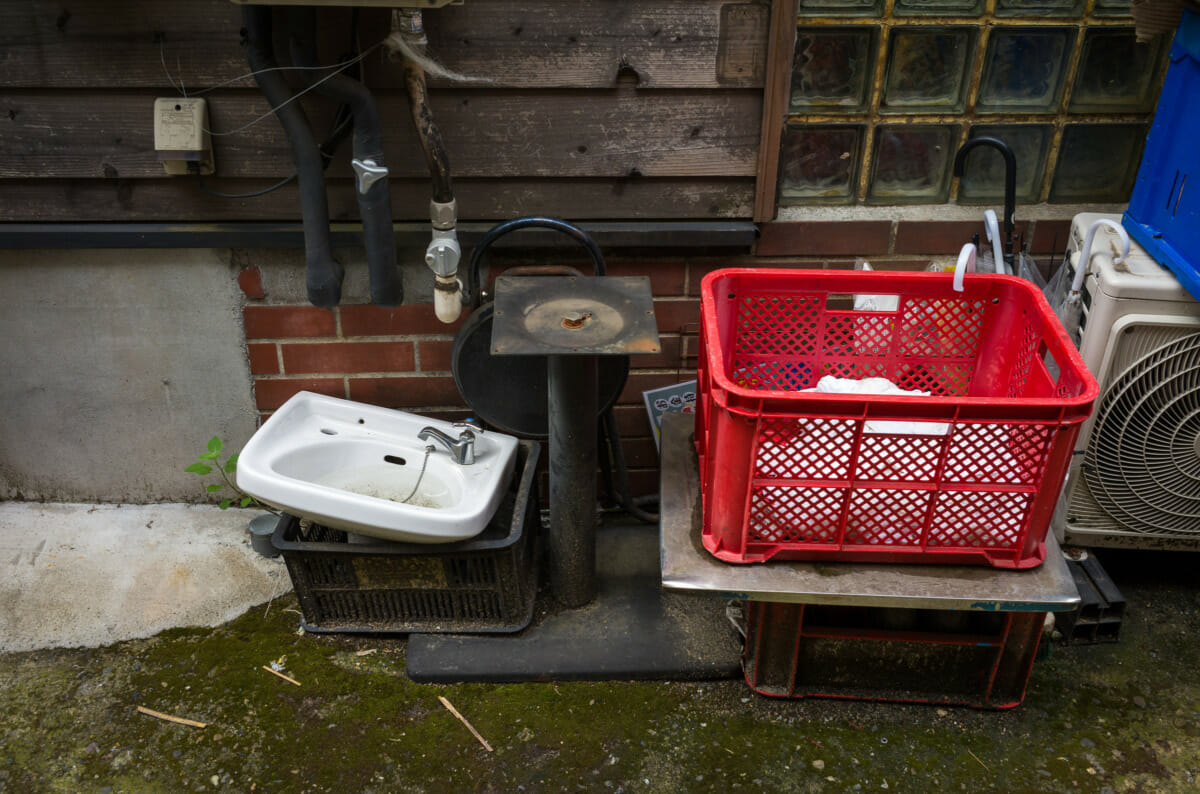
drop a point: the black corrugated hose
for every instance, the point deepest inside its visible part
(375, 204)
(323, 272)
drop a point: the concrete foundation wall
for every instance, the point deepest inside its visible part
(118, 366)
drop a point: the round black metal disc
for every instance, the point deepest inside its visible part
(509, 392)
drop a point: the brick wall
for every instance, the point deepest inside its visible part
(400, 357)
(903, 240)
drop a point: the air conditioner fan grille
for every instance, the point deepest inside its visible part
(1143, 457)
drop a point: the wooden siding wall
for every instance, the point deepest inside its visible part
(617, 109)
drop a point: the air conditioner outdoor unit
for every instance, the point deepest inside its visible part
(1135, 477)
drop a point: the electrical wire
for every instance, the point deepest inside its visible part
(340, 123)
(326, 149)
(162, 58)
(340, 65)
(254, 194)
(298, 94)
(337, 68)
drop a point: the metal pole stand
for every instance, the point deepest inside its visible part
(620, 623)
(572, 320)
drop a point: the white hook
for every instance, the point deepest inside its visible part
(966, 261)
(1085, 256)
(992, 226)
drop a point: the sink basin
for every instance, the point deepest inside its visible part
(349, 466)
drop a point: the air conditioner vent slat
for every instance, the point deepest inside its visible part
(1141, 464)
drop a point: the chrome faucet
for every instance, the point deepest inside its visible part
(461, 449)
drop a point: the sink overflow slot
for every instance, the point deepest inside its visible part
(328, 432)
(394, 459)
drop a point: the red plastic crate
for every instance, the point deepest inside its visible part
(980, 659)
(803, 476)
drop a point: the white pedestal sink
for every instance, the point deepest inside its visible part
(348, 465)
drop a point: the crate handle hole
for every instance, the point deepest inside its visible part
(1052, 368)
(844, 301)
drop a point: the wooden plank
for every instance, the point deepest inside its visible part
(118, 43)
(775, 105)
(617, 133)
(666, 43)
(537, 44)
(180, 199)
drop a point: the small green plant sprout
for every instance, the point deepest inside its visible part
(210, 462)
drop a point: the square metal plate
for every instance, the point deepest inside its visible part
(573, 315)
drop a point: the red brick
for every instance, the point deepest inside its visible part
(896, 263)
(824, 238)
(668, 358)
(250, 280)
(435, 355)
(1050, 237)
(632, 421)
(666, 278)
(348, 357)
(270, 394)
(675, 316)
(940, 237)
(640, 453)
(264, 358)
(414, 392)
(697, 272)
(272, 322)
(418, 318)
(645, 381)
(644, 481)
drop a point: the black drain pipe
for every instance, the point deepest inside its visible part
(371, 183)
(324, 273)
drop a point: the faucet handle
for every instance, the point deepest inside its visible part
(473, 428)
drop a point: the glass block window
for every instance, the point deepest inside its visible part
(884, 93)
(832, 68)
(909, 164)
(821, 162)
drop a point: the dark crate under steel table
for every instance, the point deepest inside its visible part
(923, 633)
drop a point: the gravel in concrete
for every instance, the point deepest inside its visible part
(79, 575)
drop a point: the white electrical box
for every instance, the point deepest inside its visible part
(181, 135)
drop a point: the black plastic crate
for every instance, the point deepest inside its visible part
(485, 584)
(980, 659)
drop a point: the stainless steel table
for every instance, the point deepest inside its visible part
(686, 565)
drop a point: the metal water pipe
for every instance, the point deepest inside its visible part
(1010, 185)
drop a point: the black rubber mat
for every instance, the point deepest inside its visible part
(633, 630)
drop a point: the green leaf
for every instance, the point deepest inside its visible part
(208, 456)
(225, 503)
(231, 464)
(215, 445)
(246, 500)
(214, 487)
(200, 468)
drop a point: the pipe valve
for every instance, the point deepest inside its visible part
(369, 172)
(443, 253)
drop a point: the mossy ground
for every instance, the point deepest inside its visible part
(1119, 717)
